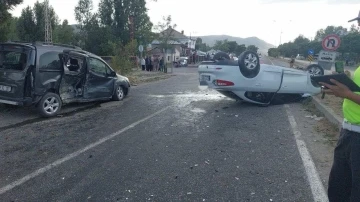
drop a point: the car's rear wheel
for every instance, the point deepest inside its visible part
(49, 105)
(221, 56)
(315, 70)
(119, 93)
(249, 64)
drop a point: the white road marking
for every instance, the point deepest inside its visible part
(317, 188)
(271, 61)
(73, 155)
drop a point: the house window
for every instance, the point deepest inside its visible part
(168, 58)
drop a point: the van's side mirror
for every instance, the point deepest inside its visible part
(113, 74)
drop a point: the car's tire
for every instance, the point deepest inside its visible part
(249, 64)
(119, 93)
(315, 70)
(49, 105)
(221, 56)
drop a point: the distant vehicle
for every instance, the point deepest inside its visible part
(50, 75)
(248, 81)
(300, 57)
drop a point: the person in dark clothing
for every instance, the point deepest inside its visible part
(147, 63)
(150, 64)
(161, 64)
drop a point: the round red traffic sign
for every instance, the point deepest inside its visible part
(331, 42)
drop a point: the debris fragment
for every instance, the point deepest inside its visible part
(196, 165)
(237, 178)
(189, 193)
(236, 115)
(207, 162)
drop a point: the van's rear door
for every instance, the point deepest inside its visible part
(14, 62)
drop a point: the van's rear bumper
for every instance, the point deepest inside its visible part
(19, 102)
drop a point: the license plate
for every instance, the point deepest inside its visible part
(205, 78)
(5, 88)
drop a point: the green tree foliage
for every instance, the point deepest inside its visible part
(123, 61)
(116, 14)
(199, 45)
(349, 48)
(252, 48)
(240, 48)
(64, 33)
(31, 24)
(6, 20)
(165, 33)
(231, 47)
(273, 52)
(320, 34)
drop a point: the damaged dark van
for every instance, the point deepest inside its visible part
(49, 76)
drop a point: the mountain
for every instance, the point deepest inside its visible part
(261, 44)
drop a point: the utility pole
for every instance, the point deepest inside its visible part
(48, 30)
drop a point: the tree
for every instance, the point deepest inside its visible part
(240, 48)
(232, 45)
(83, 13)
(252, 48)
(320, 34)
(6, 18)
(65, 33)
(116, 14)
(26, 25)
(31, 24)
(222, 45)
(273, 52)
(165, 34)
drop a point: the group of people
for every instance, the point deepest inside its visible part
(152, 63)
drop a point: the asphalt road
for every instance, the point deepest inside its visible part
(168, 141)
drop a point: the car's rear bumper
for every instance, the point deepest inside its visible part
(12, 101)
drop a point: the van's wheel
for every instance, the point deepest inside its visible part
(119, 93)
(315, 70)
(221, 56)
(49, 105)
(249, 64)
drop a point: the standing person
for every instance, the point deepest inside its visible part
(292, 61)
(156, 63)
(161, 64)
(151, 63)
(344, 179)
(143, 63)
(147, 63)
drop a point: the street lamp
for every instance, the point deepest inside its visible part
(281, 29)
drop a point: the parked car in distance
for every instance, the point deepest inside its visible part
(49, 76)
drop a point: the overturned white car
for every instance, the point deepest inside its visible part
(248, 80)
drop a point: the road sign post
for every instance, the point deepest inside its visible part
(327, 56)
(331, 42)
(310, 55)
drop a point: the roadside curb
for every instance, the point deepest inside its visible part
(329, 114)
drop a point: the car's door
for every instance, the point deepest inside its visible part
(74, 76)
(100, 82)
(15, 61)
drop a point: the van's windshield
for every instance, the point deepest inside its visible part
(13, 57)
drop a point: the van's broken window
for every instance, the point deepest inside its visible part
(13, 59)
(74, 65)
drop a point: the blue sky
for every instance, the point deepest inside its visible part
(265, 19)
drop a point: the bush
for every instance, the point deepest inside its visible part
(122, 61)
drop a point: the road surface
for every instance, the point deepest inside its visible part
(168, 141)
